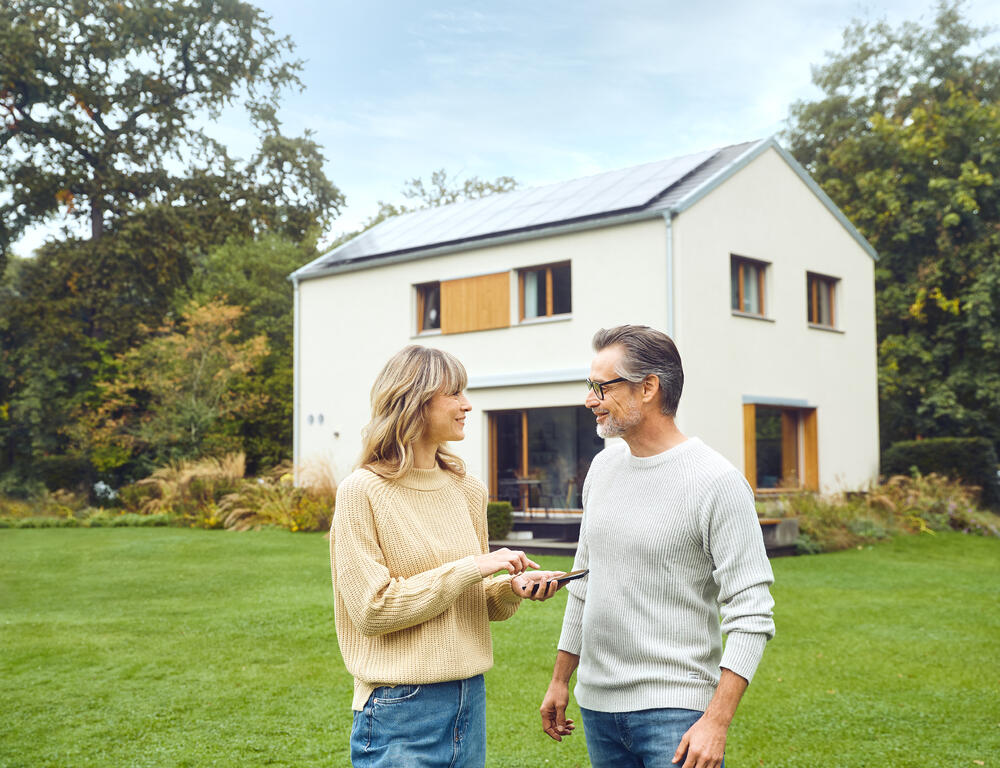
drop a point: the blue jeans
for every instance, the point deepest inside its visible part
(644, 739)
(440, 725)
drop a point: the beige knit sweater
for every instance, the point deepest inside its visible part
(410, 604)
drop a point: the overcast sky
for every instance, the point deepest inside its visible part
(545, 90)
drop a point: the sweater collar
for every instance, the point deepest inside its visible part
(640, 462)
(424, 479)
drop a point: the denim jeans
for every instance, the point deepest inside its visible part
(440, 725)
(647, 738)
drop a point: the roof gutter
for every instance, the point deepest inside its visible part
(466, 245)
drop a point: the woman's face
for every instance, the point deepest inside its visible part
(446, 417)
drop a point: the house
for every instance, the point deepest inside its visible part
(766, 287)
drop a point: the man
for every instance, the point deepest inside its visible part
(671, 538)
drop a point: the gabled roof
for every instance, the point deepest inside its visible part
(643, 191)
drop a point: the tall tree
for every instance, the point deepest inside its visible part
(905, 140)
(102, 108)
(173, 396)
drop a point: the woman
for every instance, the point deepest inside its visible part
(413, 578)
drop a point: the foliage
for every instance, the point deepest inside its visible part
(213, 493)
(905, 141)
(902, 505)
(499, 519)
(173, 396)
(253, 275)
(440, 191)
(971, 460)
(103, 107)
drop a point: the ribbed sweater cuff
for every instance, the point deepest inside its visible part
(743, 653)
(467, 571)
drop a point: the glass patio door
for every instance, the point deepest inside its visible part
(539, 457)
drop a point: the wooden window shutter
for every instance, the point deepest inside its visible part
(475, 303)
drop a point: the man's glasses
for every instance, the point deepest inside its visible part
(597, 387)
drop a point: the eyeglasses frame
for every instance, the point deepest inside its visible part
(597, 387)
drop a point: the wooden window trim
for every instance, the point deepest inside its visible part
(805, 423)
(422, 288)
(549, 287)
(761, 267)
(822, 283)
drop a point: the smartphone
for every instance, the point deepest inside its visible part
(564, 578)
(572, 575)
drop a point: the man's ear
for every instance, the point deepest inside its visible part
(650, 387)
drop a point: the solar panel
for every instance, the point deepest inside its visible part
(601, 194)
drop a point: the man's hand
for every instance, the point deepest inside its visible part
(705, 741)
(553, 711)
(704, 744)
(536, 585)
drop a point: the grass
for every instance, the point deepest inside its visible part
(172, 647)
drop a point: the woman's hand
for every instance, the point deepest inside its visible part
(509, 560)
(537, 585)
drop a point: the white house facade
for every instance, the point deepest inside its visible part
(766, 288)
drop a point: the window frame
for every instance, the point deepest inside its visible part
(806, 447)
(814, 283)
(761, 267)
(549, 291)
(421, 289)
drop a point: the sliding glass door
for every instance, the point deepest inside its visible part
(539, 457)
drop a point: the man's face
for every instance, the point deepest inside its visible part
(619, 411)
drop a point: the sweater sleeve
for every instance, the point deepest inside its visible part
(377, 602)
(571, 638)
(733, 540)
(501, 602)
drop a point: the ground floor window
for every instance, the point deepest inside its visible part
(780, 451)
(539, 457)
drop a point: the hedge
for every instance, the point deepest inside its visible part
(499, 519)
(973, 460)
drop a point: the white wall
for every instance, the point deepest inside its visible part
(349, 324)
(766, 212)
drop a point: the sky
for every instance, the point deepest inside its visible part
(546, 90)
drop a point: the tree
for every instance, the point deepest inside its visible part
(101, 105)
(440, 191)
(905, 141)
(254, 275)
(173, 396)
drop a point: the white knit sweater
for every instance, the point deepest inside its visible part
(671, 541)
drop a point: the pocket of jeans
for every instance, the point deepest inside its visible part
(394, 694)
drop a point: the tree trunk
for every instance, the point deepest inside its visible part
(96, 219)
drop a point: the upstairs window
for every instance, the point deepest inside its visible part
(821, 298)
(429, 307)
(464, 304)
(545, 291)
(747, 285)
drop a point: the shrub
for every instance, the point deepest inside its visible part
(499, 519)
(931, 502)
(188, 489)
(275, 500)
(971, 459)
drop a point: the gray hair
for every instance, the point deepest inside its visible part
(647, 352)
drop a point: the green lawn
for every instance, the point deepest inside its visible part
(169, 647)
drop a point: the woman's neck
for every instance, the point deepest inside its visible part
(424, 454)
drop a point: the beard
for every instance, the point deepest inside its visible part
(617, 426)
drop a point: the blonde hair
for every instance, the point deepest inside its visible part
(399, 399)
